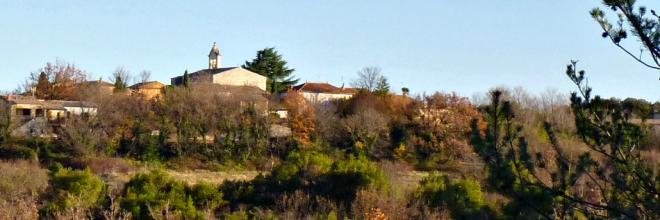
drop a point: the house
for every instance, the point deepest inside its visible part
(227, 76)
(26, 108)
(96, 87)
(319, 93)
(149, 90)
(77, 107)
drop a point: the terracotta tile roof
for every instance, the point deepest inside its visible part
(323, 88)
(30, 100)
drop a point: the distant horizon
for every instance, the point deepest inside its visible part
(462, 47)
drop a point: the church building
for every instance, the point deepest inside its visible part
(227, 76)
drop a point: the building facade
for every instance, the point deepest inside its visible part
(149, 90)
(226, 76)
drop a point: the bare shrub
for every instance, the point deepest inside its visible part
(80, 136)
(21, 178)
(366, 201)
(20, 208)
(21, 182)
(368, 129)
(301, 205)
(107, 165)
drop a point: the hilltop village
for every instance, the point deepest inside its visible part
(36, 116)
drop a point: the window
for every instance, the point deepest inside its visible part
(24, 112)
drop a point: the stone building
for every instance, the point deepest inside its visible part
(96, 87)
(26, 108)
(226, 76)
(148, 90)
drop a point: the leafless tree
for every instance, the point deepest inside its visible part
(145, 76)
(120, 78)
(368, 78)
(79, 136)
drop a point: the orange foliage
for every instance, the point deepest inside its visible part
(63, 80)
(301, 117)
(443, 124)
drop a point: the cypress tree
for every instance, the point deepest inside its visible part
(43, 86)
(186, 79)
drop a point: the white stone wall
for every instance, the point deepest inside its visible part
(240, 77)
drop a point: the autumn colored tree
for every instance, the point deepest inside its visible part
(440, 129)
(56, 81)
(301, 117)
(43, 86)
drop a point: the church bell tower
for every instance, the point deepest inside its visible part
(215, 58)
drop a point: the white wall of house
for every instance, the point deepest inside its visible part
(81, 110)
(240, 77)
(317, 98)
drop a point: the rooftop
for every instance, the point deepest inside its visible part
(323, 88)
(148, 85)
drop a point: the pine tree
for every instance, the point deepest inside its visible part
(270, 64)
(382, 86)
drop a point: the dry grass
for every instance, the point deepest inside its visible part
(21, 182)
(212, 177)
(21, 178)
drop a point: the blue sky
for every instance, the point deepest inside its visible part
(461, 46)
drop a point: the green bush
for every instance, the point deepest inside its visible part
(155, 192)
(348, 176)
(311, 172)
(15, 152)
(463, 198)
(207, 196)
(73, 189)
(297, 172)
(299, 167)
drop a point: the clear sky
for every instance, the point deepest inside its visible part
(462, 46)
